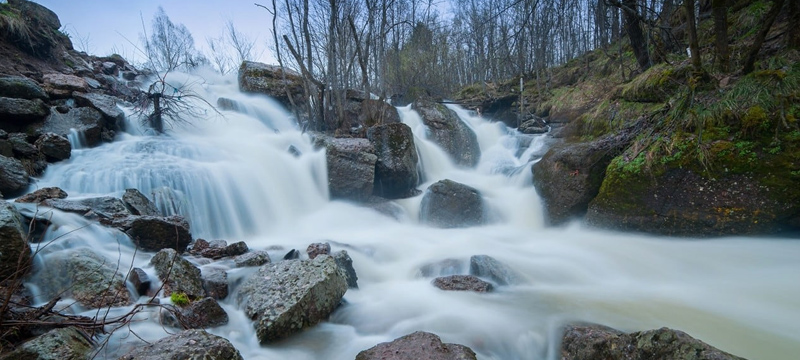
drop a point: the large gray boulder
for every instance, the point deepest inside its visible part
(289, 296)
(14, 249)
(139, 204)
(186, 345)
(106, 105)
(86, 121)
(418, 345)
(178, 274)
(91, 279)
(448, 204)
(13, 177)
(200, 314)
(270, 80)
(396, 168)
(447, 130)
(153, 233)
(600, 342)
(351, 166)
(104, 206)
(346, 265)
(20, 111)
(54, 147)
(21, 88)
(67, 343)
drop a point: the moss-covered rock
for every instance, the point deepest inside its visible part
(447, 130)
(396, 168)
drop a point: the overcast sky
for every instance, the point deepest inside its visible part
(111, 26)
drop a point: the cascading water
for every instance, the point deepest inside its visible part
(233, 177)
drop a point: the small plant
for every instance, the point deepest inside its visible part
(179, 298)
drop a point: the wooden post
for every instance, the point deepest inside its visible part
(521, 102)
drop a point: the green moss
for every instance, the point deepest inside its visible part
(179, 299)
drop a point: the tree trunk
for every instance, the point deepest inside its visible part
(719, 10)
(694, 47)
(156, 121)
(793, 35)
(750, 60)
(636, 35)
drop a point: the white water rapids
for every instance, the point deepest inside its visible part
(234, 179)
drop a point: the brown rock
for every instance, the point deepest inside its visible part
(462, 283)
(419, 345)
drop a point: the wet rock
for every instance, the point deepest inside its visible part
(600, 342)
(106, 105)
(228, 104)
(138, 204)
(442, 268)
(345, 263)
(129, 75)
(105, 206)
(86, 121)
(21, 148)
(178, 274)
(153, 233)
(189, 344)
(140, 281)
(448, 204)
(418, 345)
(20, 111)
(351, 166)
(318, 249)
(396, 168)
(569, 176)
(252, 258)
(109, 68)
(488, 267)
(533, 126)
(377, 112)
(21, 88)
(13, 177)
(236, 249)
(55, 147)
(67, 343)
(272, 81)
(13, 246)
(293, 254)
(215, 282)
(462, 283)
(289, 296)
(60, 85)
(42, 194)
(89, 278)
(200, 314)
(447, 130)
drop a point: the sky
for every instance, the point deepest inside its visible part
(114, 26)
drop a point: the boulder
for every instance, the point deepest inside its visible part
(271, 80)
(377, 112)
(600, 342)
(14, 248)
(396, 173)
(252, 258)
(488, 267)
(533, 126)
(109, 68)
(418, 345)
(318, 249)
(104, 207)
(67, 343)
(351, 166)
(189, 344)
(153, 233)
(448, 204)
(236, 249)
(19, 111)
(138, 204)
(569, 176)
(215, 282)
(345, 263)
(89, 278)
(204, 313)
(86, 121)
(447, 130)
(289, 296)
(54, 147)
(60, 85)
(140, 281)
(106, 105)
(21, 148)
(41, 195)
(21, 88)
(462, 283)
(178, 274)
(224, 103)
(13, 177)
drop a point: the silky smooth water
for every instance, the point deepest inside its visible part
(231, 175)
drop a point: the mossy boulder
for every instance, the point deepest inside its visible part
(396, 168)
(21, 87)
(449, 132)
(283, 85)
(67, 343)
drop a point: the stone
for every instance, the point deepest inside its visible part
(109, 68)
(139, 204)
(345, 263)
(271, 80)
(377, 112)
(67, 343)
(21, 148)
(20, 111)
(14, 248)
(289, 296)
(178, 274)
(448, 204)
(190, 345)
(533, 126)
(318, 249)
(106, 105)
(140, 281)
(396, 173)
(488, 267)
(104, 207)
(236, 249)
(600, 342)
(462, 283)
(42, 194)
(252, 258)
(13, 177)
(129, 75)
(293, 254)
(228, 104)
(418, 345)
(54, 147)
(446, 129)
(153, 233)
(215, 282)
(89, 278)
(200, 314)
(351, 166)
(21, 88)
(85, 121)
(60, 85)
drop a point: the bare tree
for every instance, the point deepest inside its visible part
(170, 46)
